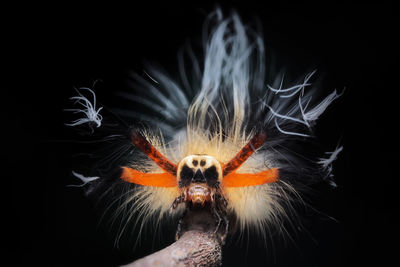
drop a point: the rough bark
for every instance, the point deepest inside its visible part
(194, 248)
(197, 246)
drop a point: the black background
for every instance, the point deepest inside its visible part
(50, 49)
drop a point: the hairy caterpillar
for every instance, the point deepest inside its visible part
(221, 139)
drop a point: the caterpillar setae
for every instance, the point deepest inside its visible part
(221, 138)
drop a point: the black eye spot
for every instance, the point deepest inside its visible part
(195, 162)
(202, 162)
(186, 176)
(211, 175)
(199, 177)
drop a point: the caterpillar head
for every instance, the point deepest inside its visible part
(199, 169)
(199, 176)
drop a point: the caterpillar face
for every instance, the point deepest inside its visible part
(199, 177)
(199, 169)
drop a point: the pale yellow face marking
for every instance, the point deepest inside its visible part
(201, 162)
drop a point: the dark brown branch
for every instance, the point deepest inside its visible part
(194, 248)
(198, 245)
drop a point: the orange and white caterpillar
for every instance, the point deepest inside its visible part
(220, 137)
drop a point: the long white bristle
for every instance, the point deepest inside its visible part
(90, 113)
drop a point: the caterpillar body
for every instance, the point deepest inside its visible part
(221, 139)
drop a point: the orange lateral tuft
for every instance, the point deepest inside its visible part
(148, 179)
(248, 179)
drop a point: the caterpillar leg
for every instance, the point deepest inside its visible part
(223, 236)
(218, 217)
(224, 217)
(175, 204)
(220, 214)
(179, 227)
(177, 201)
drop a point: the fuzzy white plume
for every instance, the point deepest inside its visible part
(326, 164)
(88, 109)
(84, 179)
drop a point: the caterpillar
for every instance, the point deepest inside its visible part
(221, 138)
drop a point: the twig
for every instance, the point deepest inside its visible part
(198, 246)
(194, 248)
